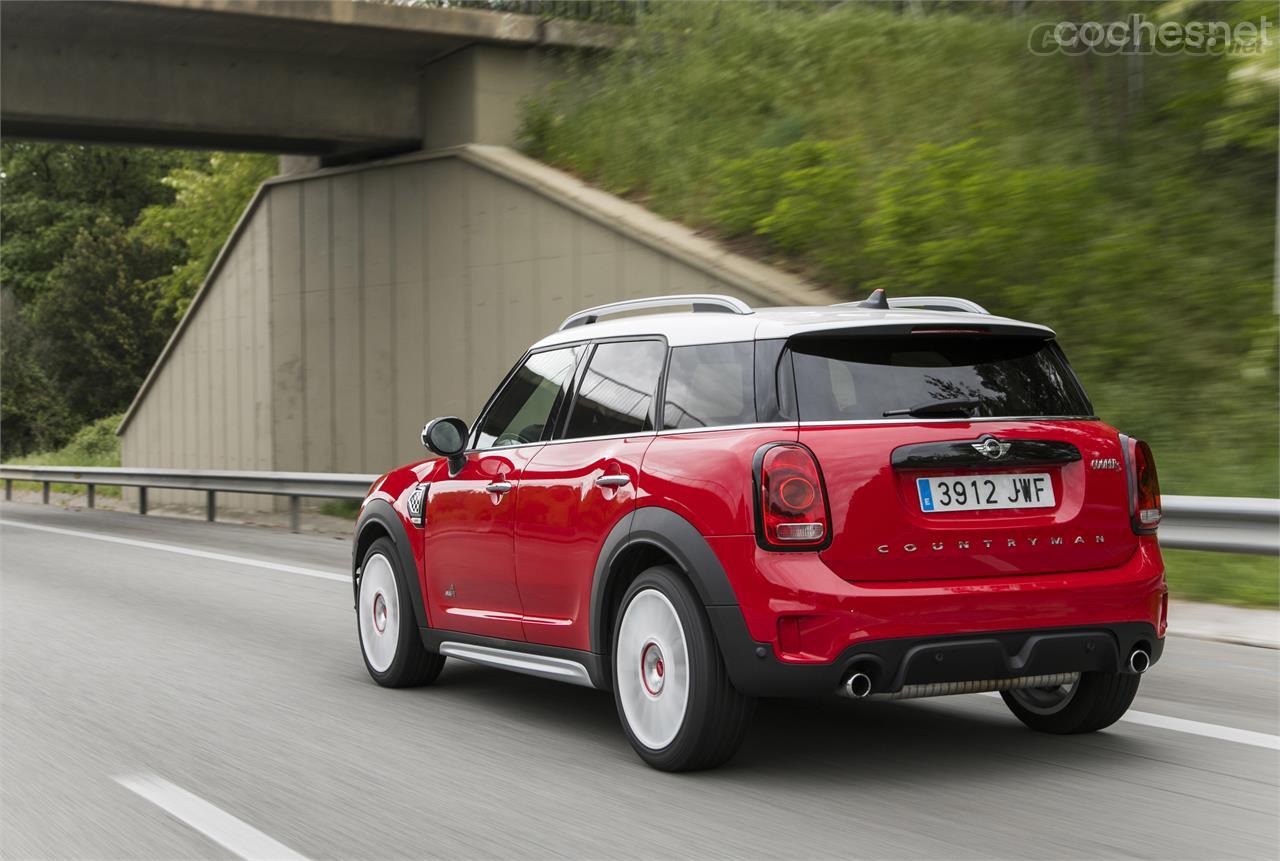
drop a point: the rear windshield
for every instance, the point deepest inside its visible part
(863, 377)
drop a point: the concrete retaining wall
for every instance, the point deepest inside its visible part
(351, 305)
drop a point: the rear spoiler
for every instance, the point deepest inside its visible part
(986, 324)
(967, 325)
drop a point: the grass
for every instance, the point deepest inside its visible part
(1223, 578)
(345, 508)
(94, 444)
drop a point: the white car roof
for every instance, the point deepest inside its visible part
(690, 328)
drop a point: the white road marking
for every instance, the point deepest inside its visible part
(1209, 730)
(215, 823)
(184, 551)
(1190, 727)
(1195, 727)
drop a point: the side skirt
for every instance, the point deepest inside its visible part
(547, 662)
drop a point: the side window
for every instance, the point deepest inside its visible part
(710, 385)
(617, 391)
(529, 401)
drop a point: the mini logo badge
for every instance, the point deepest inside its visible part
(1104, 463)
(992, 448)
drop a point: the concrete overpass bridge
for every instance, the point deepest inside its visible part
(407, 257)
(333, 79)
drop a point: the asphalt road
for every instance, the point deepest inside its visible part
(236, 693)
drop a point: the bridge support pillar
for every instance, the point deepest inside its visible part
(474, 95)
(291, 164)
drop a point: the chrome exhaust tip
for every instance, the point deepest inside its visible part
(1139, 661)
(858, 685)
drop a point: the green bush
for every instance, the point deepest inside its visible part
(94, 444)
(803, 199)
(348, 509)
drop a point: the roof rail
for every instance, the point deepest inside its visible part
(701, 302)
(928, 303)
(938, 303)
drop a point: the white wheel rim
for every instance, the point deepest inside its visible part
(379, 613)
(651, 669)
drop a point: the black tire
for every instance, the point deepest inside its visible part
(1099, 700)
(715, 716)
(412, 665)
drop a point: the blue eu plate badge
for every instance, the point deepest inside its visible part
(926, 494)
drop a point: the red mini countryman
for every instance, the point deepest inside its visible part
(887, 499)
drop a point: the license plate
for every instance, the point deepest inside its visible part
(985, 492)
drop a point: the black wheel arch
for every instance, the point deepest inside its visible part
(377, 519)
(664, 531)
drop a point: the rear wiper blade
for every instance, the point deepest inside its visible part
(954, 406)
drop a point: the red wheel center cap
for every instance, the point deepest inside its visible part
(652, 668)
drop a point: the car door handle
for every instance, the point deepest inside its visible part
(498, 487)
(613, 481)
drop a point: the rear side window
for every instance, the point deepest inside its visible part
(710, 385)
(617, 390)
(865, 377)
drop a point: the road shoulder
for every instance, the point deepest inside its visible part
(1243, 625)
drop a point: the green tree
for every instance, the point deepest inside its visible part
(33, 415)
(208, 199)
(96, 319)
(53, 196)
(100, 252)
(50, 192)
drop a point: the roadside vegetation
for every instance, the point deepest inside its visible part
(1128, 203)
(348, 509)
(95, 444)
(1223, 578)
(101, 250)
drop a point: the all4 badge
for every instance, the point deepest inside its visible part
(417, 505)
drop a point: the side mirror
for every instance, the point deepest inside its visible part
(447, 437)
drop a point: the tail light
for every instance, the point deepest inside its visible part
(1144, 486)
(791, 504)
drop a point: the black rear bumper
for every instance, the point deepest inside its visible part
(755, 670)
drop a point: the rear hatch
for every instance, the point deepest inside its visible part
(989, 462)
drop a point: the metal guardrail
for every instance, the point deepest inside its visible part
(1225, 524)
(295, 485)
